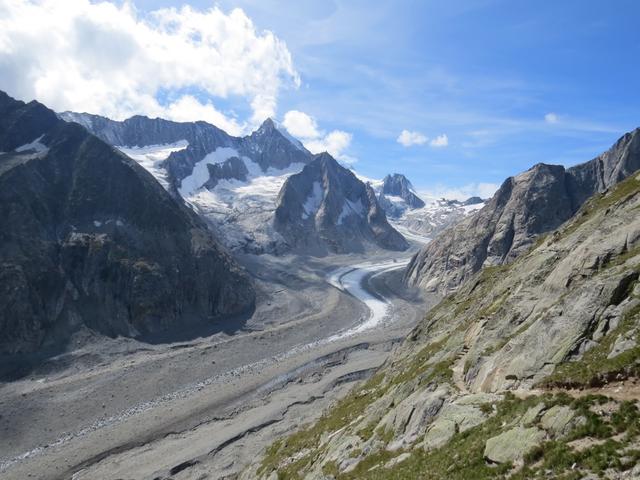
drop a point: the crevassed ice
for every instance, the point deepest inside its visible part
(150, 157)
(200, 173)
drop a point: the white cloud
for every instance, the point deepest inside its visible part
(334, 142)
(440, 141)
(551, 118)
(408, 138)
(187, 108)
(104, 58)
(482, 190)
(305, 127)
(300, 125)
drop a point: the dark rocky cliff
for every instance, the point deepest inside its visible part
(89, 239)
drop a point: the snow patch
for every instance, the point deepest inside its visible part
(35, 146)
(200, 173)
(312, 204)
(472, 208)
(151, 156)
(351, 208)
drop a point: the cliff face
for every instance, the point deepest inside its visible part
(483, 387)
(398, 185)
(534, 202)
(90, 239)
(326, 208)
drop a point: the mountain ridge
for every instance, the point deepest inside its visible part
(525, 206)
(92, 240)
(327, 207)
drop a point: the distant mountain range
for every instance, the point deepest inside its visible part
(238, 184)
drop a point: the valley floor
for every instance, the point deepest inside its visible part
(204, 408)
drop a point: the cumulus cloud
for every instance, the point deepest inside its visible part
(104, 58)
(300, 125)
(551, 118)
(305, 128)
(335, 142)
(408, 138)
(440, 141)
(482, 190)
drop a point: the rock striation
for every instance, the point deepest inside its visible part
(90, 240)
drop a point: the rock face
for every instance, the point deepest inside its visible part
(325, 208)
(398, 185)
(91, 240)
(269, 146)
(534, 202)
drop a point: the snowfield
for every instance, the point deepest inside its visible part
(151, 156)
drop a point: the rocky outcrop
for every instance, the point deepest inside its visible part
(91, 240)
(269, 147)
(231, 169)
(325, 208)
(525, 206)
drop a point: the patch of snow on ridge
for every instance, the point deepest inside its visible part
(151, 156)
(35, 145)
(314, 200)
(472, 208)
(200, 173)
(350, 208)
(243, 211)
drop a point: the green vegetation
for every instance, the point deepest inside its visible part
(608, 441)
(594, 368)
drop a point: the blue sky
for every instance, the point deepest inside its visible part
(509, 82)
(485, 73)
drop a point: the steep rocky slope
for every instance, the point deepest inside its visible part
(90, 240)
(327, 208)
(397, 186)
(481, 388)
(525, 206)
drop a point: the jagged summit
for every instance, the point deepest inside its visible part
(398, 185)
(327, 208)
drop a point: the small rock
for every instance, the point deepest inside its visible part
(512, 445)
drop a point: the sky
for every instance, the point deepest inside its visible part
(456, 95)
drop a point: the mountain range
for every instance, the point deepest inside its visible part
(240, 185)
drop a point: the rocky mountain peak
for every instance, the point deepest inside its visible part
(525, 206)
(327, 208)
(397, 185)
